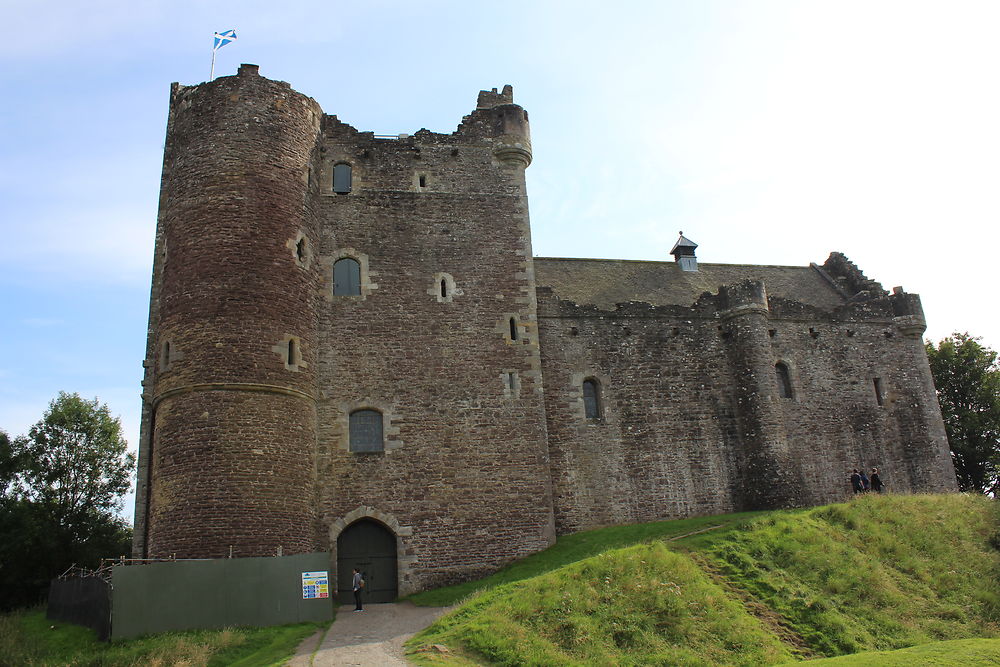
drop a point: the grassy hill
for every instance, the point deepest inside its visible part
(877, 574)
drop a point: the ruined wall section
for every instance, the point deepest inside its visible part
(233, 420)
(464, 473)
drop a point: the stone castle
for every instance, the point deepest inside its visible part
(352, 349)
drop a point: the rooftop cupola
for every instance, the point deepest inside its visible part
(683, 252)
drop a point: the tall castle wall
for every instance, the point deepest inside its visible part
(693, 421)
(471, 366)
(465, 471)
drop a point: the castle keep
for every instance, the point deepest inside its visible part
(353, 349)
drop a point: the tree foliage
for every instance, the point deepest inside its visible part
(967, 378)
(60, 487)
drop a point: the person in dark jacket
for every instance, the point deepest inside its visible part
(876, 481)
(358, 584)
(856, 481)
(865, 484)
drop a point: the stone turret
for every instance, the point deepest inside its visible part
(229, 403)
(770, 476)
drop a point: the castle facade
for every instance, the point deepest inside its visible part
(352, 349)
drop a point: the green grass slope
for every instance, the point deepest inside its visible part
(28, 638)
(955, 653)
(644, 601)
(878, 573)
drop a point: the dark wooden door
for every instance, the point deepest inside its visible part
(370, 547)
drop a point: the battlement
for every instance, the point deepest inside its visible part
(491, 98)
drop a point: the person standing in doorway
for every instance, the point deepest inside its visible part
(358, 584)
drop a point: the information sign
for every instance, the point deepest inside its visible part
(315, 585)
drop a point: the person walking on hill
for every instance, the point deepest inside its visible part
(856, 481)
(876, 481)
(865, 484)
(358, 584)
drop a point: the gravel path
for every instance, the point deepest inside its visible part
(370, 638)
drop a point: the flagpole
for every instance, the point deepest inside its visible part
(221, 39)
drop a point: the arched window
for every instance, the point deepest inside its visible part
(341, 178)
(366, 431)
(292, 358)
(347, 277)
(784, 380)
(591, 399)
(444, 288)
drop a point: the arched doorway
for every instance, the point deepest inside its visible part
(371, 547)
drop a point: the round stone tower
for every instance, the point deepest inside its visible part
(770, 477)
(229, 427)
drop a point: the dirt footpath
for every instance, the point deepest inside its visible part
(370, 638)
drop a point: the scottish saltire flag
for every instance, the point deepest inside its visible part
(223, 38)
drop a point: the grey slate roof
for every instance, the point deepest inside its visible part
(606, 282)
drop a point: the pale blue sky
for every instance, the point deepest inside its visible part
(771, 132)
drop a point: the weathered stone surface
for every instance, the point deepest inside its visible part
(475, 354)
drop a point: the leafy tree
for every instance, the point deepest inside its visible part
(10, 464)
(967, 378)
(59, 489)
(76, 458)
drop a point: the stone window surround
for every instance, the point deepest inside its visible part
(793, 380)
(292, 245)
(327, 262)
(520, 325)
(168, 354)
(281, 349)
(505, 380)
(577, 404)
(390, 431)
(450, 287)
(326, 176)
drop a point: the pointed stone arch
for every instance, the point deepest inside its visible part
(404, 563)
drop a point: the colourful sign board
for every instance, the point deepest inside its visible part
(315, 585)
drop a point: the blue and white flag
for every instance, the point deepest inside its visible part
(223, 38)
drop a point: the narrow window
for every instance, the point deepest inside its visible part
(513, 329)
(366, 431)
(784, 380)
(291, 352)
(878, 390)
(347, 277)
(591, 399)
(444, 288)
(165, 357)
(342, 178)
(300, 249)
(511, 382)
(423, 181)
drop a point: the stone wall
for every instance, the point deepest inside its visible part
(254, 365)
(682, 433)
(465, 468)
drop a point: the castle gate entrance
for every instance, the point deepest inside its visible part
(370, 547)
